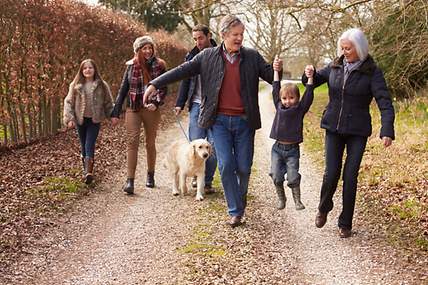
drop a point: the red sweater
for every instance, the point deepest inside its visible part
(229, 101)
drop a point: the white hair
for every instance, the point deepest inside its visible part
(358, 39)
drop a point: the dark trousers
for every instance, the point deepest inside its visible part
(88, 133)
(334, 148)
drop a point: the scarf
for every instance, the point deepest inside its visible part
(136, 90)
(139, 79)
(349, 67)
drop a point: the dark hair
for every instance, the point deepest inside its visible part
(201, 28)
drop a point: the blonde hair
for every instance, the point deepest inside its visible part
(290, 88)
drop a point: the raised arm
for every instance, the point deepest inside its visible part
(276, 85)
(308, 96)
(320, 77)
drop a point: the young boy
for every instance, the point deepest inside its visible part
(287, 130)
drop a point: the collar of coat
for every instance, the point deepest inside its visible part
(79, 86)
(196, 50)
(368, 66)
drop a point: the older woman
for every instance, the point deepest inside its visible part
(353, 80)
(140, 70)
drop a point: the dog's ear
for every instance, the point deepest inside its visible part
(194, 150)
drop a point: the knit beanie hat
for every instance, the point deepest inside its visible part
(142, 41)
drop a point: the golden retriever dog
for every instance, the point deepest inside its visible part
(188, 160)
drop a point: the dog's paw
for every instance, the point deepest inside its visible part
(199, 198)
(175, 193)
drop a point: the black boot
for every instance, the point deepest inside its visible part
(150, 182)
(296, 198)
(129, 186)
(281, 197)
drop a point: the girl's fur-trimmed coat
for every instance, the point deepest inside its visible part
(74, 103)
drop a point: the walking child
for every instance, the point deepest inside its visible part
(287, 130)
(88, 103)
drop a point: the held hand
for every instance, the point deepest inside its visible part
(71, 125)
(114, 121)
(151, 107)
(277, 64)
(309, 71)
(149, 91)
(177, 111)
(387, 141)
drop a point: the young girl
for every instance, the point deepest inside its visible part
(287, 130)
(87, 104)
(140, 70)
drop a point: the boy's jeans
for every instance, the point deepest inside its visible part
(195, 132)
(88, 133)
(234, 143)
(285, 160)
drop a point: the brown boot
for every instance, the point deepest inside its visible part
(89, 165)
(320, 219)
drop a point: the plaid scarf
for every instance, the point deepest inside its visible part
(136, 88)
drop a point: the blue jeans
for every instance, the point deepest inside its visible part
(195, 132)
(88, 133)
(334, 147)
(285, 160)
(234, 143)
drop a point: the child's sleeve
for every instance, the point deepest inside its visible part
(276, 86)
(320, 76)
(308, 98)
(69, 102)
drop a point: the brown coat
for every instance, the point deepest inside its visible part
(74, 103)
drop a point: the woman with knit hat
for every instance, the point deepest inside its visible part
(140, 70)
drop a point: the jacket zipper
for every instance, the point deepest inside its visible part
(341, 108)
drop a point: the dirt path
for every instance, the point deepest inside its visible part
(155, 238)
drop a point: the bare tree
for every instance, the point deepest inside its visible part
(272, 28)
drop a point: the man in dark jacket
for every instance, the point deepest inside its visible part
(229, 106)
(190, 92)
